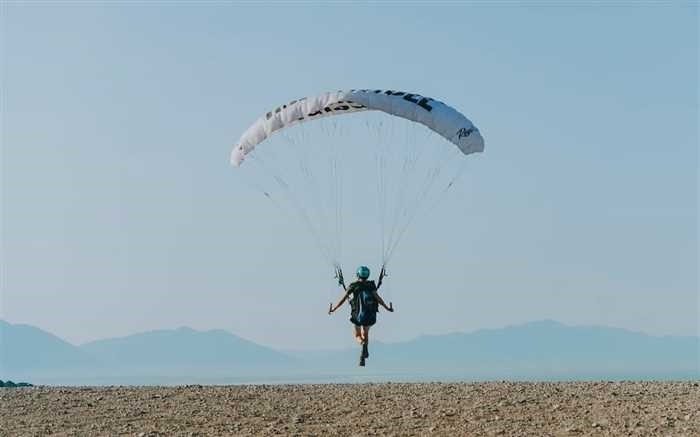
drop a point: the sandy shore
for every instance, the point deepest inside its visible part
(493, 408)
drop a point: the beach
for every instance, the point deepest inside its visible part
(488, 408)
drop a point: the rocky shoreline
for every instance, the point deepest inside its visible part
(490, 408)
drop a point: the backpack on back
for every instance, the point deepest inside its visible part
(364, 305)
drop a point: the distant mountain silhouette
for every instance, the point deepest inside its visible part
(25, 349)
(546, 348)
(184, 348)
(536, 350)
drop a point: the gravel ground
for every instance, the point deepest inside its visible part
(491, 408)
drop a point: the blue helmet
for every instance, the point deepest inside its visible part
(363, 272)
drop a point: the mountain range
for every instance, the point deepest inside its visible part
(541, 350)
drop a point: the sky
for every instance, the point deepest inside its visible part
(120, 212)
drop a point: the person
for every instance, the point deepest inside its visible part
(364, 304)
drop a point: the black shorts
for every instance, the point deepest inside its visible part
(370, 321)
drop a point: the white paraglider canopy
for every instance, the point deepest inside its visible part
(439, 117)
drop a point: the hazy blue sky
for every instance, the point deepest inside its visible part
(120, 212)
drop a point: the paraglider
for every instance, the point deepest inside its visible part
(306, 174)
(364, 304)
